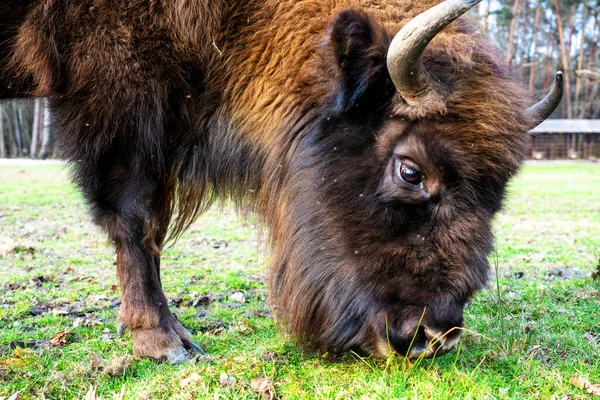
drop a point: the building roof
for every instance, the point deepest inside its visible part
(568, 126)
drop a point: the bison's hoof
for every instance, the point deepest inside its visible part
(195, 348)
(178, 356)
(169, 341)
(121, 328)
(181, 356)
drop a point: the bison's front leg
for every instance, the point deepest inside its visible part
(134, 209)
(144, 310)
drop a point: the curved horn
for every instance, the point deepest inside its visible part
(546, 107)
(404, 54)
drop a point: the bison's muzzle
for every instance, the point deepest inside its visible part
(420, 332)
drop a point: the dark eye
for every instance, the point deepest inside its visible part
(410, 174)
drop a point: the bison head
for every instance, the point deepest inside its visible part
(393, 190)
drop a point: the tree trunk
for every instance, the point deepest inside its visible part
(572, 26)
(549, 71)
(590, 85)
(578, 78)
(511, 33)
(533, 47)
(17, 130)
(11, 145)
(486, 15)
(46, 149)
(565, 61)
(571, 45)
(35, 127)
(521, 51)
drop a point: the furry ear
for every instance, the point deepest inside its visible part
(357, 46)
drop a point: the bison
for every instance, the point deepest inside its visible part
(374, 138)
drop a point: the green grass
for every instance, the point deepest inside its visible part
(55, 267)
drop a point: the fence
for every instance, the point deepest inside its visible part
(566, 139)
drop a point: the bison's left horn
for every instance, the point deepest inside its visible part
(404, 55)
(546, 107)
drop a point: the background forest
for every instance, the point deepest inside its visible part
(539, 37)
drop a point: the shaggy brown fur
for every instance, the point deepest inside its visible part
(163, 106)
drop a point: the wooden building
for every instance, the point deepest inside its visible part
(566, 139)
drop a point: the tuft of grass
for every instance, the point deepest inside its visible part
(526, 335)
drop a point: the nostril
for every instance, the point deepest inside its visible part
(419, 338)
(419, 342)
(405, 338)
(430, 342)
(442, 342)
(435, 337)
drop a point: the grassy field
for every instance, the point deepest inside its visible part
(533, 334)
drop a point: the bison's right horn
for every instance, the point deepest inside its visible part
(546, 107)
(404, 55)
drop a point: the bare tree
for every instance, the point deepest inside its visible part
(36, 127)
(565, 61)
(533, 57)
(485, 14)
(46, 149)
(511, 33)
